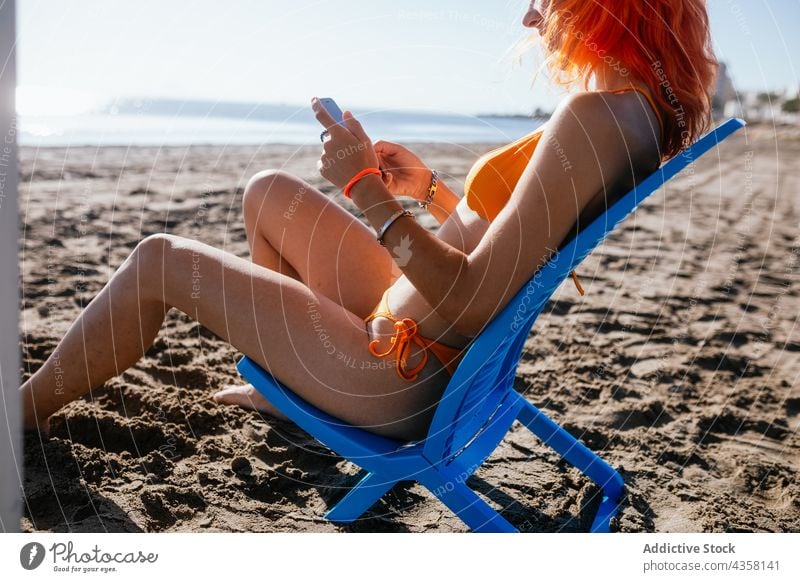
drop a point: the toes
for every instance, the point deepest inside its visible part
(234, 395)
(244, 396)
(227, 391)
(249, 398)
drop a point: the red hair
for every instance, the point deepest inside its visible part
(664, 43)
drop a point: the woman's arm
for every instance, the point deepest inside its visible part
(468, 290)
(405, 174)
(443, 203)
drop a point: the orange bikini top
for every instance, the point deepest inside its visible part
(495, 174)
(493, 177)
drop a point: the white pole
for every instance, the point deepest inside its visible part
(10, 441)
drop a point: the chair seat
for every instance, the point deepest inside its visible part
(364, 448)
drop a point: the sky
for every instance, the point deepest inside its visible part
(446, 56)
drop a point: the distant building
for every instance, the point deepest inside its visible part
(779, 106)
(724, 91)
(765, 107)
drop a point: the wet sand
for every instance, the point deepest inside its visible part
(680, 363)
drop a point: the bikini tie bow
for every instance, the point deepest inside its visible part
(405, 333)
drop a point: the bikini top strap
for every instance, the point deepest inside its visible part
(650, 100)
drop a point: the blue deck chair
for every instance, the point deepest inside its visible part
(479, 404)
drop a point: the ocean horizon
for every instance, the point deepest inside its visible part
(149, 122)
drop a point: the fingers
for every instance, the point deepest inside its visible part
(346, 149)
(385, 148)
(354, 126)
(324, 117)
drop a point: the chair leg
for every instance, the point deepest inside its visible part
(360, 498)
(577, 454)
(466, 504)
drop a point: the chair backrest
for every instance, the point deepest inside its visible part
(482, 380)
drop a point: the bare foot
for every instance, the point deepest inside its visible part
(247, 397)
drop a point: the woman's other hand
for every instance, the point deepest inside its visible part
(404, 173)
(345, 150)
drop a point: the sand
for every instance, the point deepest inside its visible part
(679, 364)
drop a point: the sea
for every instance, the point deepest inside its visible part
(162, 122)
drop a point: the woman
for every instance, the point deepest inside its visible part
(652, 68)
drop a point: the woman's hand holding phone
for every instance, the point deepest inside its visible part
(346, 148)
(404, 173)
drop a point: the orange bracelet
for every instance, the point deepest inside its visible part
(357, 177)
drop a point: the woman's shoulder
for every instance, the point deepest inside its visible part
(612, 127)
(587, 112)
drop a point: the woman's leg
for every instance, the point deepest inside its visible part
(272, 318)
(294, 229)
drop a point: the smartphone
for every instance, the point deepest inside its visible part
(333, 109)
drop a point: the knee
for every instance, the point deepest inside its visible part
(266, 186)
(262, 183)
(149, 263)
(154, 250)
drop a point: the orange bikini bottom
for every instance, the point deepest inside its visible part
(405, 334)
